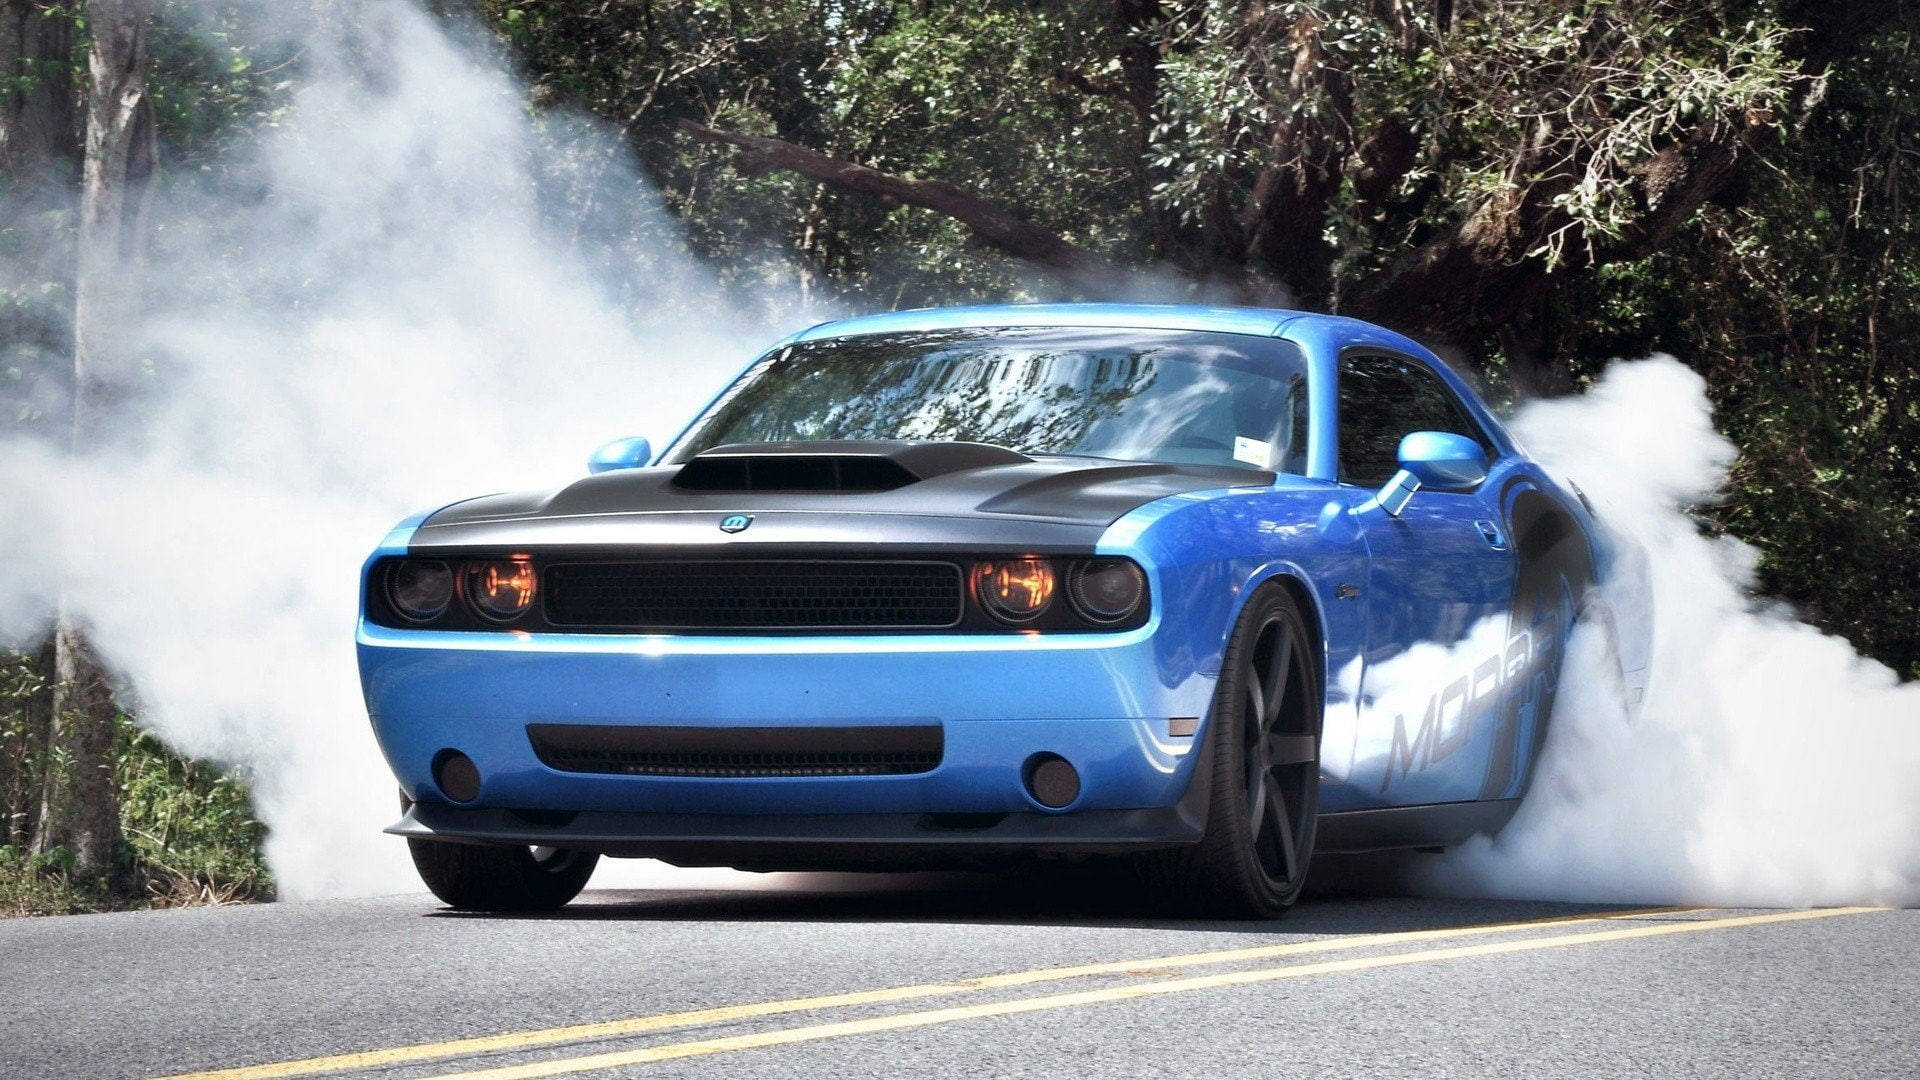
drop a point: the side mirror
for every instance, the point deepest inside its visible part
(1441, 460)
(621, 454)
(1435, 459)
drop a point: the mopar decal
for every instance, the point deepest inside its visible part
(1526, 670)
(734, 523)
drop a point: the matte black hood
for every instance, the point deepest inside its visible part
(860, 493)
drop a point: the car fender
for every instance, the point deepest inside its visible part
(1208, 551)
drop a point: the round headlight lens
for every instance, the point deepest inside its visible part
(420, 589)
(1014, 590)
(1106, 590)
(502, 590)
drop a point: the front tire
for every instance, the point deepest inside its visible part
(477, 877)
(1265, 740)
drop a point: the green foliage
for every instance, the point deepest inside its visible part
(869, 82)
(1609, 79)
(190, 832)
(209, 85)
(1798, 296)
(189, 825)
(32, 885)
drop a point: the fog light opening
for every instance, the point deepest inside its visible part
(457, 776)
(1051, 780)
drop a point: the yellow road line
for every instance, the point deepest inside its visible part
(898, 1021)
(527, 1040)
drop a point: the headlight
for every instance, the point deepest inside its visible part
(1014, 590)
(1106, 590)
(502, 590)
(420, 589)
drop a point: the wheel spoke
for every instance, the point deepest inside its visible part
(1257, 713)
(1284, 749)
(1257, 798)
(1282, 823)
(1279, 673)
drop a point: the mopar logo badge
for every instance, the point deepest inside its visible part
(734, 523)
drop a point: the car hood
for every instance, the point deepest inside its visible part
(920, 494)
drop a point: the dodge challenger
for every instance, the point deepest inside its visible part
(1194, 591)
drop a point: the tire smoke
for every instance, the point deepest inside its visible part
(406, 289)
(1769, 763)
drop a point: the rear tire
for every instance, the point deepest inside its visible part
(485, 877)
(1264, 738)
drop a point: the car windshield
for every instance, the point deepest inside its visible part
(1138, 395)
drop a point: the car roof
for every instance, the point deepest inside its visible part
(1262, 322)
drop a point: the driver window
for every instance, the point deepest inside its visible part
(1382, 400)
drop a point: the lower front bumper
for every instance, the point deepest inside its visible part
(822, 841)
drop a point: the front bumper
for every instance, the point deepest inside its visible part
(1102, 701)
(821, 841)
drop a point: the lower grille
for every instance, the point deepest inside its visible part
(746, 751)
(754, 595)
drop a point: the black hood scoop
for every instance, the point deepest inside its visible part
(835, 466)
(840, 495)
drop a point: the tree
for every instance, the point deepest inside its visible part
(38, 121)
(1539, 185)
(39, 163)
(1443, 168)
(80, 807)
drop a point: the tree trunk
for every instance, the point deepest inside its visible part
(39, 118)
(81, 811)
(80, 805)
(39, 166)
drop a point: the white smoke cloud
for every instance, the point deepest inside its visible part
(1770, 764)
(400, 302)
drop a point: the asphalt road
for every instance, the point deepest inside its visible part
(838, 977)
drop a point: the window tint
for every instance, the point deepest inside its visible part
(1382, 400)
(1137, 395)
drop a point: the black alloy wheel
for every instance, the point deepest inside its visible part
(1281, 740)
(488, 877)
(1264, 738)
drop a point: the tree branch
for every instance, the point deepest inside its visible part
(1092, 87)
(1479, 276)
(1283, 221)
(993, 224)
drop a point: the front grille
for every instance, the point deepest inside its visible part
(747, 751)
(754, 595)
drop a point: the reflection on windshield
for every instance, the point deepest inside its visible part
(1140, 395)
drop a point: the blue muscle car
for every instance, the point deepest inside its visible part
(1201, 590)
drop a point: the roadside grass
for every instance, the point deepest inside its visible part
(190, 826)
(190, 834)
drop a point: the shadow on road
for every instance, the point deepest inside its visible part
(1348, 895)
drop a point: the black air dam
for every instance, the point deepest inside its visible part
(890, 750)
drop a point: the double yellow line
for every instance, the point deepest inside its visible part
(531, 1040)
